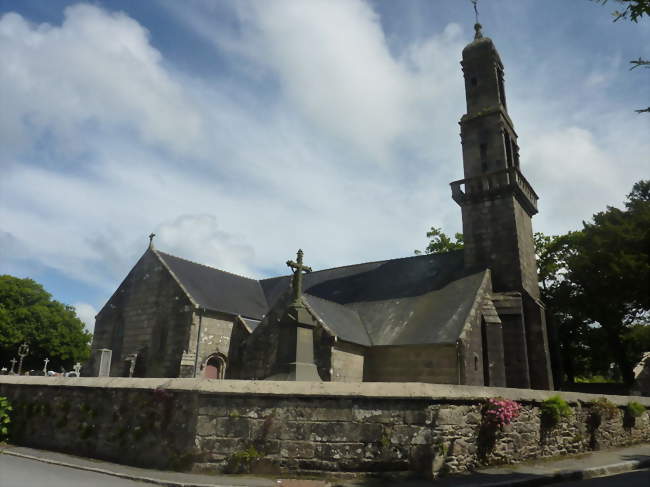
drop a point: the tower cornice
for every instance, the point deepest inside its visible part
(499, 109)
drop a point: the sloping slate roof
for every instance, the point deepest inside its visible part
(413, 300)
(375, 281)
(344, 322)
(218, 290)
(419, 299)
(434, 317)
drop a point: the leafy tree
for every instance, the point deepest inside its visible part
(51, 329)
(595, 283)
(439, 242)
(634, 10)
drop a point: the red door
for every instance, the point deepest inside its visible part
(211, 371)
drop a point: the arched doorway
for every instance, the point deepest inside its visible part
(215, 367)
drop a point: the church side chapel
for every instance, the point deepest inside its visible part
(471, 316)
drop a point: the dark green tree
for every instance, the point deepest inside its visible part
(439, 242)
(51, 329)
(595, 285)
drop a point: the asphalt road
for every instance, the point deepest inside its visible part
(21, 472)
(638, 478)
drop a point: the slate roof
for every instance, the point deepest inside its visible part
(217, 290)
(375, 281)
(343, 321)
(413, 300)
(435, 317)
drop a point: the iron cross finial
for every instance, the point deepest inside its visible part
(477, 26)
(298, 268)
(151, 236)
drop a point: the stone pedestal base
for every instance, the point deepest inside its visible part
(301, 371)
(188, 360)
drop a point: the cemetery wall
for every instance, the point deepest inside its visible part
(426, 429)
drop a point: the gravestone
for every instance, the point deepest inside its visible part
(130, 361)
(23, 350)
(101, 362)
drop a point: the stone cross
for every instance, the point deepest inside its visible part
(13, 364)
(45, 366)
(298, 268)
(23, 350)
(132, 359)
(151, 236)
(77, 369)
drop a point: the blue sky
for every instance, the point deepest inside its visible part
(238, 131)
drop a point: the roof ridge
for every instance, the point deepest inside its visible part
(369, 262)
(208, 266)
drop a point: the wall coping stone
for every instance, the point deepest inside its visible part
(386, 390)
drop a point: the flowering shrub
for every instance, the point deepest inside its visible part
(499, 411)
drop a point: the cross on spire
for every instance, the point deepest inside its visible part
(298, 268)
(151, 236)
(477, 26)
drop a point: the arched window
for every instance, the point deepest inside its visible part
(215, 367)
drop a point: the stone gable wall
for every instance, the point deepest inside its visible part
(148, 314)
(324, 427)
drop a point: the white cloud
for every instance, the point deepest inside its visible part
(315, 132)
(200, 237)
(97, 68)
(86, 313)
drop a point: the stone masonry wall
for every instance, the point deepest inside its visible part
(148, 314)
(418, 428)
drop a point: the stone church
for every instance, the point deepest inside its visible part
(471, 316)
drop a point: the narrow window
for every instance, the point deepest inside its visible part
(502, 91)
(475, 362)
(483, 151)
(508, 142)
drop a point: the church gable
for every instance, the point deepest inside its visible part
(149, 315)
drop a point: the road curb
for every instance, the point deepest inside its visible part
(138, 478)
(570, 475)
(532, 481)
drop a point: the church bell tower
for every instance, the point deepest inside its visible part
(497, 204)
